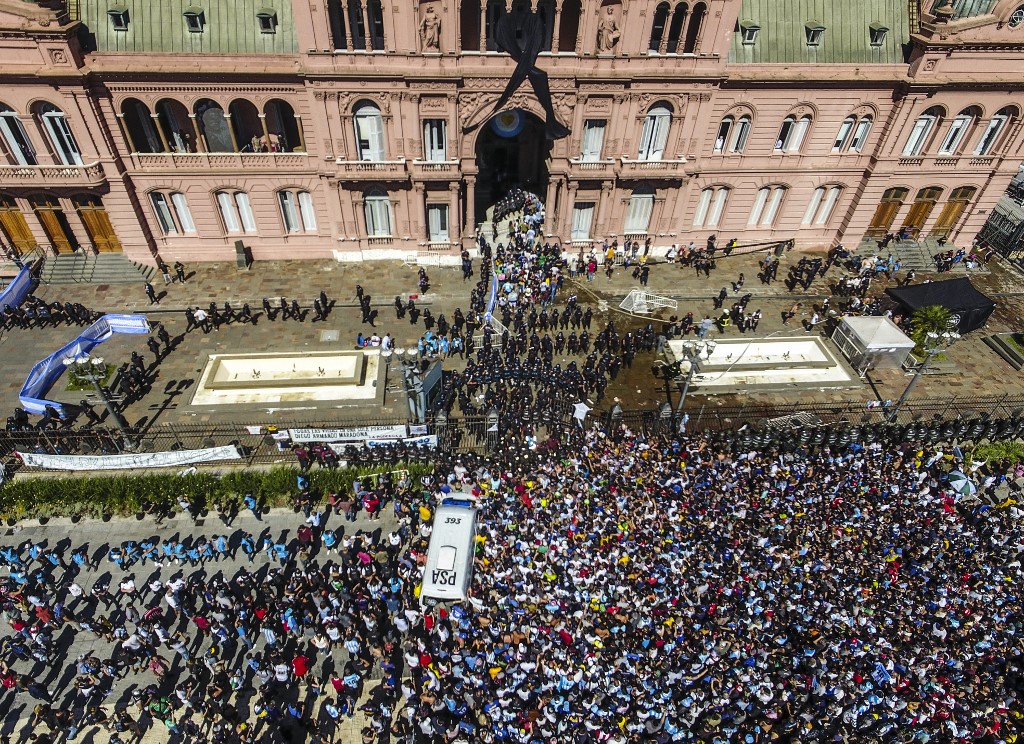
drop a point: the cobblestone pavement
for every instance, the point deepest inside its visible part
(281, 524)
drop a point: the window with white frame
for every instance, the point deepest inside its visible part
(15, 138)
(377, 211)
(766, 206)
(843, 137)
(823, 202)
(297, 211)
(987, 141)
(369, 127)
(172, 213)
(958, 129)
(792, 133)
(711, 206)
(236, 211)
(919, 134)
(655, 133)
(876, 34)
(435, 144)
(638, 212)
(437, 223)
(582, 216)
(749, 32)
(813, 33)
(59, 133)
(724, 130)
(860, 134)
(593, 140)
(740, 133)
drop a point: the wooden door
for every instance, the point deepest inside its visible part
(14, 227)
(953, 211)
(97, 223)
(921, 209)
(886, 211)
(54, 223)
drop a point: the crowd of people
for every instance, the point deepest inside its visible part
(628, 587)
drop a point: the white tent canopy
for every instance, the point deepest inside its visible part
(872, 341)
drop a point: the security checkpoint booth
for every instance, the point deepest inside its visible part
(871, 342)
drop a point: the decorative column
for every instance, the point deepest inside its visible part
(663, 44)
(602, 208)
(200, 140)
(454, 222)
(302, 136)
(231, 132)
(483, 25)
(568, 208)
(127, 134)
(469, 223)
(266, 132)
(367, 34)
(557, 26)
(159, 130)
(420, 200)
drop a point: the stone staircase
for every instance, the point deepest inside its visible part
(917, 255)
(101, 268)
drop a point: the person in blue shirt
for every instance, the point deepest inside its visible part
(330, 540)
(252, 505)
(248, 547)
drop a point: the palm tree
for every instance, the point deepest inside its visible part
(925, 320)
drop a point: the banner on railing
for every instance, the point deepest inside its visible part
(129, 461)
(429, 440)
(356, 434)
(42, 376)
(20, 287)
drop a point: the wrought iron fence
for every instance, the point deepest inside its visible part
(485, 433)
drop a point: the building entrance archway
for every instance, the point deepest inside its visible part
(511, 152)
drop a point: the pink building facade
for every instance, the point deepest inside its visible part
(361, 130)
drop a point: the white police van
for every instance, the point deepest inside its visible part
(449, 568)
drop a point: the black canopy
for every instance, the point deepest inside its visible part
(970, 306)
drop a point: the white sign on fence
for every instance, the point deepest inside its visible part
(128, 461)
(348, 435)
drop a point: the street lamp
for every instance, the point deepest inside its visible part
(387, 354)
(94, 369)
(408, 360)
(934, 344)
(693, 353)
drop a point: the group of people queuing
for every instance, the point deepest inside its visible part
(214, 316)
(37, 313)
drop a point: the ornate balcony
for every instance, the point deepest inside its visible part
(372, 170)
(53, 175)
(592, 168)
(652, 168)
(424, 170)
(203, 161)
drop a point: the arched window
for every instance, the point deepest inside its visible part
(172, 213)
(369, 127)
(356, 24)
(658, 27)
(173, 120)
(740, 133)
(675, 29)
(921, 132)
(792, 133)
(236, 211)
(469, 25)
(724, 129)
(213, 126)
(655, 134)
(766, 206)
(284, 127)
(569, 27)
(711, 206)
(860, 134)
(695, 29)
(823, 202)
(957, 132)
(16, 142)
(248, 129)
(139, 126)
(375, 13)
(494, 13)
(62, 141)
(377, 212)
(844, 134)
(297, 211)
(638, 213)
(990, 136)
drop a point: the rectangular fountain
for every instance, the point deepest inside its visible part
(291, 377)
(739, 365)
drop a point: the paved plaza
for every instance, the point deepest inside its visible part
(972, 368)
